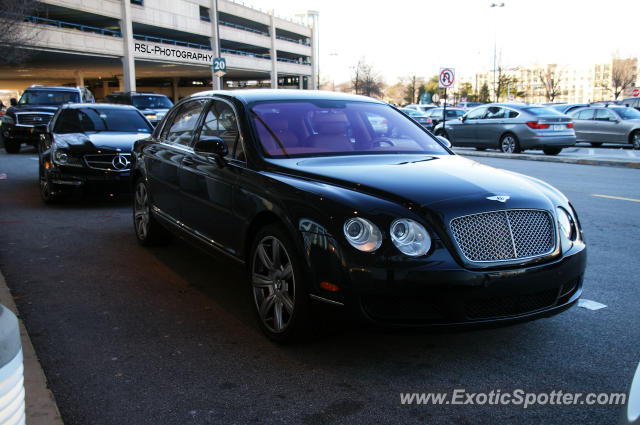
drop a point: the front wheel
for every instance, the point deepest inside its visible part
(277, 285)
(148, 230)
(12, 146)
(509, 144)
(552, 151)
(47, 192)
(635, 139)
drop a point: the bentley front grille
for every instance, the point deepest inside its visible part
(507, 235)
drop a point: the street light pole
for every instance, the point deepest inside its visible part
(495, 86)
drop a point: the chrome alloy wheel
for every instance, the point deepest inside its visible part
(141, 211)
(508, 144)
(273, 284)
(635, 140)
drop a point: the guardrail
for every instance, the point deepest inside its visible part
(242, 27)
(242, 53)
(293, 40)
(63, 24)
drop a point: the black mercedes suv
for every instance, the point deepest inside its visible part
(36, 107)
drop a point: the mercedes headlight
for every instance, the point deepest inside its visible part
(362, 234)
(566, 223)
(62, 157)
(410, 237)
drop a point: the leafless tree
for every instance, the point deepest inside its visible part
(623, 75)
(414, 88)
(13, 33)
(550, 80)
(366, 80)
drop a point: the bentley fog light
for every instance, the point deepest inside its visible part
(565, 221)
(410, 237)
(362, 234)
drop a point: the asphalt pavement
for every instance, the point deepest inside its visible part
(127, 334)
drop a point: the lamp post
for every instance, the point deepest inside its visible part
(333, 71)
(495, 86)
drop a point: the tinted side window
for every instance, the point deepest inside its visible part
(495, 113)
(585, 114)
(512, 114)
(179, 129)
(221, 122)
(476, 114)
(603, 115)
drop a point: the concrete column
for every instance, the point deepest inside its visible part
(174, 89)
(105, 88)
(79, 78)
(215, 41)
(300, 82)
(315, 70)
(128, 63)
(274, 53)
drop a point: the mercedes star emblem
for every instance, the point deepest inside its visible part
(120, 162)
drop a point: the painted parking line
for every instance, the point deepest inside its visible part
(619, 198)
(590, 305)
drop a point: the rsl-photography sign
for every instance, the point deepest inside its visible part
(157, 51)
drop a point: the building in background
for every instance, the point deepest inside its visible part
(165, 46)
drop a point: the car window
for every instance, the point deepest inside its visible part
(584, 114)
(476, 114)
(220, 121)
(627, 113)
(494, 112)
(179, 130)
(152, 101)
(97, 119)
(512, 114)
(604, 115)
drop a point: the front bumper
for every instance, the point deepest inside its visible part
(22, 134)
(68, 178)
(437, 291)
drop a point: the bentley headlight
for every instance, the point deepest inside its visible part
(566, 223)
(410, 237)
(362, 234)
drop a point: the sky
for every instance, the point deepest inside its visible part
(401, 38)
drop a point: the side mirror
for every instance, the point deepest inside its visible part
(444, 141)
(212, 147)
(463, 118)
(13, 101)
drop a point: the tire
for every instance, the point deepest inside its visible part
(596, 144)
(148, 231)
(277, 286)
(635, 139)
(509, 143)
(12, 146)
(552, 151)
(47, 192)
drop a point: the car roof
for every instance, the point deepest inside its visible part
(96, 105)
(256, 95)
(55, 88)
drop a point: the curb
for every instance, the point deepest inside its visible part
(41, 407)
(548, 158)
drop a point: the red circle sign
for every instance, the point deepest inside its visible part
(447, 76)
(635, 92)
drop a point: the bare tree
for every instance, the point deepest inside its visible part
(366, 80)
(414, 88)
(550, 80)
(623, 75)
(13, 33)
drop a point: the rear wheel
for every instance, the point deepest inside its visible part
(552, 151)
(596, 144)
(148, 230)
(12, 146)
(277, 285)
(635, 139)
(509, 143)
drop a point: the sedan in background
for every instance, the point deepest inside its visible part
(421, 107)
(607, 124)
(88, 144)
(435, 115)
(467, 105)
(511, 128)
(565, 108)
(420, 117)
(320, 206)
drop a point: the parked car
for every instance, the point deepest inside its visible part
(36, 107)
(468, 105)
(607, 124)
(511, 128)
(565, 108)
(154, 106)
(422, 107)
(420, 117)
(435, 115)
(632, 102)
(320, 207)
(88, 144)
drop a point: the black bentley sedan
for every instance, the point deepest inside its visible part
(88, 144)
(323, 204)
